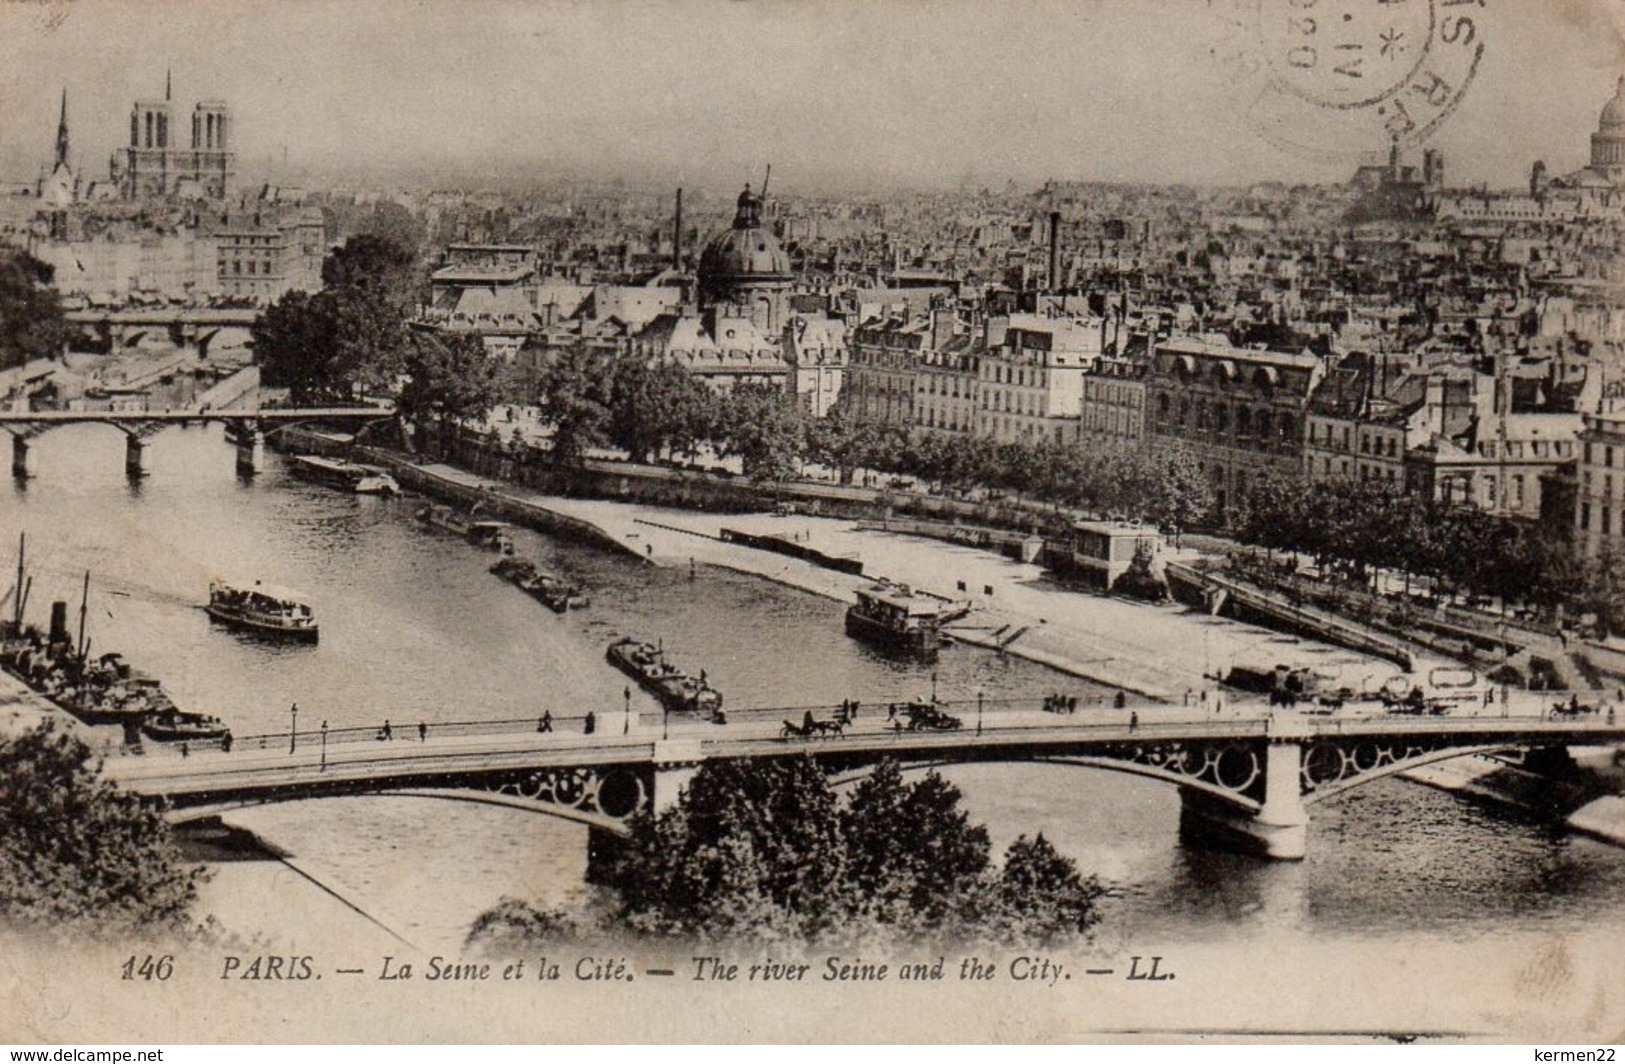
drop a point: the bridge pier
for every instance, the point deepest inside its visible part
(1279, 829)
(135, 456)
(22, 458)
(250, 452)
(676, 761)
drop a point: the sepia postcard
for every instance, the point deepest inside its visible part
(571, 521)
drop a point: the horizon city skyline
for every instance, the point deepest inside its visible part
(515, 93)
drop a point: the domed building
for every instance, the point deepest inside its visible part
(743, 272)
(1608, 142)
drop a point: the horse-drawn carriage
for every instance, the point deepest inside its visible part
(811, 728)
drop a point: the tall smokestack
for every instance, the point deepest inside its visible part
(1054, 251)
(677, 235)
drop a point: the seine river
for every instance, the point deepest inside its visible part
(415, 629)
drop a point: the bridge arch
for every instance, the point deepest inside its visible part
(1362, 763)
(469, 795)
(1238, 784)
(603, 798)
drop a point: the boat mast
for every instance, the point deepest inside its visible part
(84, 604)
(22, 546)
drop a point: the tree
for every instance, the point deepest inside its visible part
(79, 855)
(654, 405)
(764, 848)
(1041, 897)
(31, 321)
(914, 857)
(351, 335)
(450, 376)
(761, 426)
(381, 265)
(840, 441)
(573, 392)
(296, 345)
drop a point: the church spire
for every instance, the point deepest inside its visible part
(62, 132)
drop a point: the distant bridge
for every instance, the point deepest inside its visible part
(139, 426)
(193, 329)
(1248, 780)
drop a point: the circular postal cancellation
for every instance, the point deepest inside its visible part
(1341, 77)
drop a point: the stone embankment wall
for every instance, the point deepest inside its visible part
(450, 486)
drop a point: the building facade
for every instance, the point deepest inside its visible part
(1240, 410)
(1599, 516)
(1031, 385)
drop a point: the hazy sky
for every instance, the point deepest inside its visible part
(929, 92)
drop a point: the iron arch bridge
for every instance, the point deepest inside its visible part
(1249, 782)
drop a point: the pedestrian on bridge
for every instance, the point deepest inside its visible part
(590, 723)
(423, 732)
(386, 732)
(1133, 722)
(544, 723)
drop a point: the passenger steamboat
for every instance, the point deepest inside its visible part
(263, 610)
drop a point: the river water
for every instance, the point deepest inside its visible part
(415, 629)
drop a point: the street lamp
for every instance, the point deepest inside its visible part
(324, 746)
(293, 728)
(978, 714)
(665, 721)
(933, 686)
(626, 725)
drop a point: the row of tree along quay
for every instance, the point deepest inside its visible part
(767, 851)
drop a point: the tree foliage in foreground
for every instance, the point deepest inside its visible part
(767, 850)
(79, 856)
(31, 321)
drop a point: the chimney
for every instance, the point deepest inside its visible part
(1054, 251)
(677, 235)
(943, 321)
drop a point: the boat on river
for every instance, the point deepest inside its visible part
(58, 666)
(346, 476)
(898, 618)
(263, 610)
(673, 688)
(550, 589)
(491, 535)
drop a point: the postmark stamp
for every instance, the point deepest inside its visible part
(1349, 77)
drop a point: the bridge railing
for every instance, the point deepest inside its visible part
(1205, 714)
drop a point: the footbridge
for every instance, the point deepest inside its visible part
(251, 424)
(1248, 781)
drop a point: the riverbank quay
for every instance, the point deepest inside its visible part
(22, 710)
(1163, 652)
(1487, 778)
